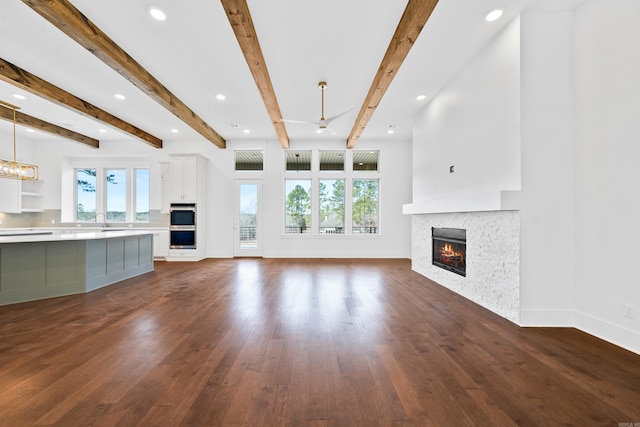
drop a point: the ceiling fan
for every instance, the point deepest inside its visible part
(323, 123)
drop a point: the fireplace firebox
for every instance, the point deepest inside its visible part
(450, 249)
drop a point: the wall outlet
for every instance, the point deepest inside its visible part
(53, 221)
(0, 221)
(627, 311)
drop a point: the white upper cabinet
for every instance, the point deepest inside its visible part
(188, 174)
(18, 196)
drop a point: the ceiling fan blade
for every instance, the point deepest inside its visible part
(332, 118)
(298, 121)
(331, 131)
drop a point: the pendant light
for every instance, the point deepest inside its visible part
(12, 168)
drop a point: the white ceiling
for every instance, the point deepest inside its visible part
(195, 54)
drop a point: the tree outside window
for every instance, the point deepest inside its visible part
(85, 194)
(365, 206)
(298, 206)
(331, 192)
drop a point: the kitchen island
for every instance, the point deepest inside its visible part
(44, 265)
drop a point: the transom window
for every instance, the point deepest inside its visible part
(297, 161)
(247, 160)
(365, 160)
(332, 160)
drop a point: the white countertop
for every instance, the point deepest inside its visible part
(35, 235)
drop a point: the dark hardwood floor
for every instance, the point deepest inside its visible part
(278, 342)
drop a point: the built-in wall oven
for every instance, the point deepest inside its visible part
(182, 229)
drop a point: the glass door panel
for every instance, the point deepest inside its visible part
(247, 222)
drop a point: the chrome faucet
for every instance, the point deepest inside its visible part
(104, 219)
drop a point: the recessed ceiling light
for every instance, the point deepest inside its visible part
(18, 96)
(494, 15)
(220, 97)
(120, 96)
(102, 130)
(30, 130)
(421, 97)
(175, 130)
(157, 14)
(390, 131)
(246, 131)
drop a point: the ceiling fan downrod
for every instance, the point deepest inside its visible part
(322, 86)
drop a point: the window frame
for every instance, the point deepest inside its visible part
(377, 226)
(309, 227)
(348, 175)
(135, 195)
(340, 230)
(69, 212)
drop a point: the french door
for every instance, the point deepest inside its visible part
(247, 223)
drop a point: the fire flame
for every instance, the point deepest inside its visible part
(447, 252)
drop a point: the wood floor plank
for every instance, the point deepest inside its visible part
(299, 342)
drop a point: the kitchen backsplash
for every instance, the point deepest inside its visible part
(157, 219)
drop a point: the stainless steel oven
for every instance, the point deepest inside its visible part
(183, 214)
(182, 228)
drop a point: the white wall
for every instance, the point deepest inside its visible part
(607, 111)
(547, 201)
(474, 125)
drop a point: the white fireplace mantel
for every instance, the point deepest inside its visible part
(468, 202)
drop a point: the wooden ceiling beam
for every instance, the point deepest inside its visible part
(240, 19)
(50, 128)
(413, 19)
(28, 82)
(63, 15)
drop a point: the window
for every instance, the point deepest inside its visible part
(365, 206)
(297, 206)
(249, 160)
(365, 160)
(331, 194)
(142, 195)
(112, 194)
(86, 194)
(298, 161)
(116, 205)
(332, 160)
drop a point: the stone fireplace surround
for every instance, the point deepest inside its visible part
(493, 257)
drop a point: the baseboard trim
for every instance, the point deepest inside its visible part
(355, 255)
(607, 331)
(545, 318)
